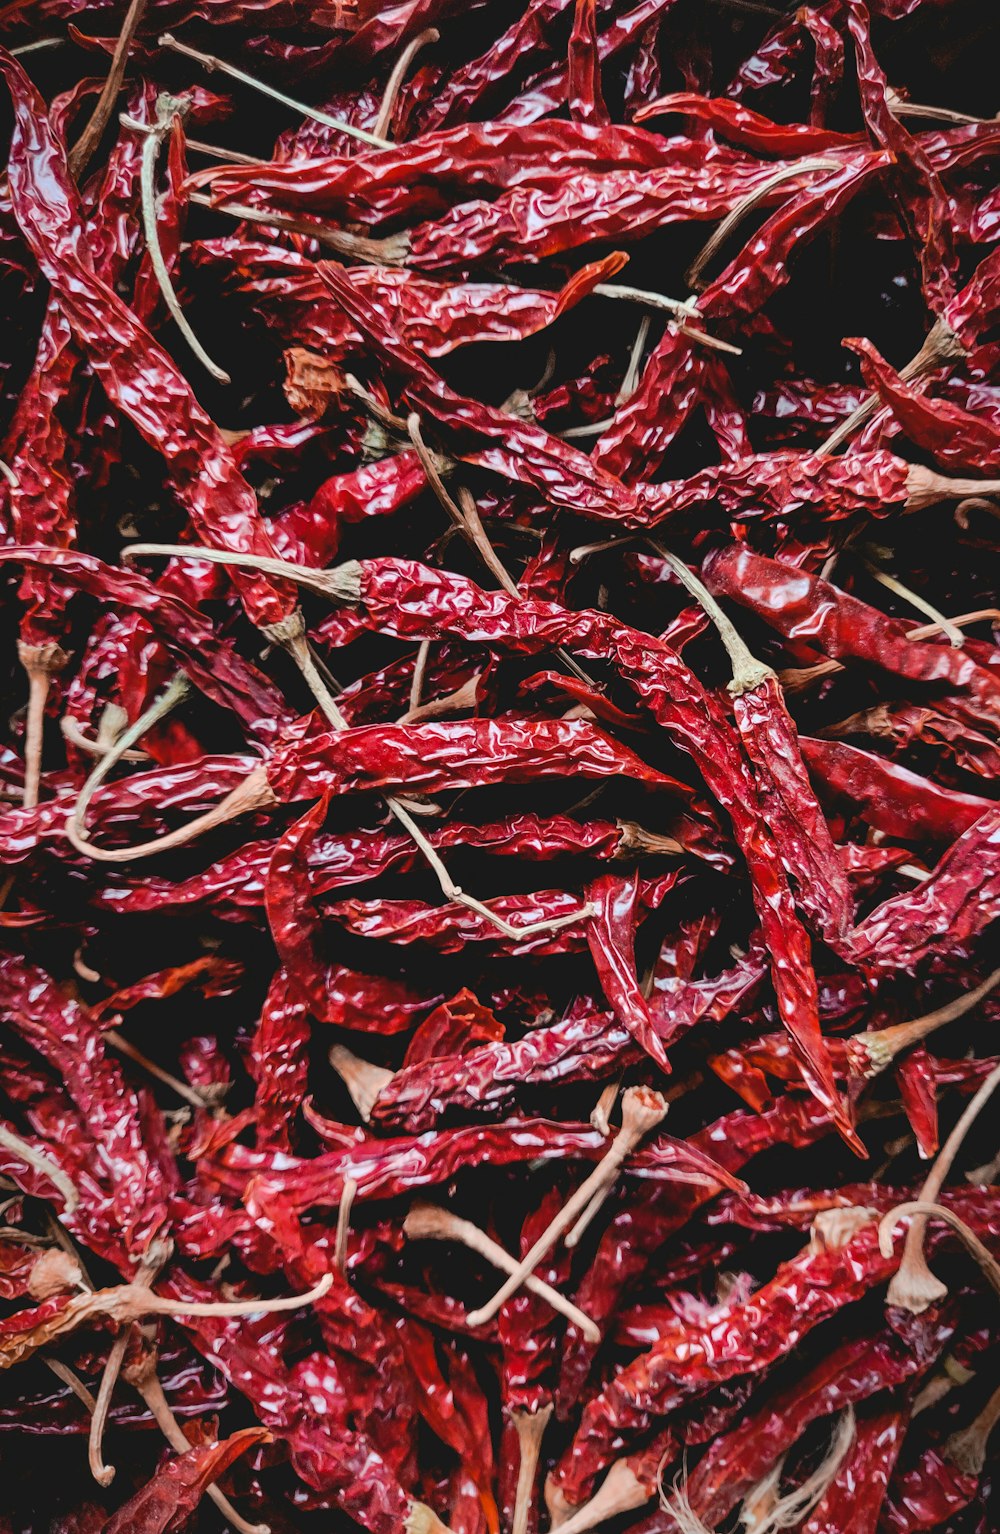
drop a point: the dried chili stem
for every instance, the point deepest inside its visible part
(168, 109)
(187, 1093)
(966, 1449)
(954, 634)
(914, 1286)
(631, 380)
(620, 1492)
(395, 82)
(748, 672)
(292, 637)
(363, 1080)
(211, 63)
(72, 1380)
(233, 156)
(41, 662)
(879, 1047)
(72, 732)
(677, 308)
(429, 1222)
(104, 1474)
(419, 673)
(43, 1164)
(796, 679)
(386, 252)
(252, 794)
(927, 1209)
(148, 1385)
(642, 1111)
(530, 1427)
(746, 205)
(940, 345)
(82, 151)
(347, 1198)
(174, 693)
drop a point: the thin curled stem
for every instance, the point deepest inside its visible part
(928, 1209)
(43, 1164)
(642, 1111)
(212, 63)
(746, 205)
(748, 671)
(914, 1287)
(347, 1198)
(430, 1222)
(175, 691)
(168, 108)
(395, 82)
(83, 150)
(880, 1047)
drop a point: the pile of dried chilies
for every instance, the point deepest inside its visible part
(499, 812)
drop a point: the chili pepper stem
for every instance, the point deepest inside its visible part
(176, 690)
(746, 205)
(914, 1286)
(940, 345)
(363, 1080)
(748, 672)
(395, 82)
(211, 63)
(966, 1449)
(873, 1052)
(83, 150)
(104, 1474)
(642, 1111)
(41, 662)
(147, 1383)
(620, 1492)
(252, 794)
(291, 634)
(925, 488)
(927, 1209)
(428, 1222)
(390, 251)
(168, 110)
(530, 1427)
(187, 1094)
(347, 1198)
(73, 1380)
(422, 1519)
(954, 634)
(43, 1164)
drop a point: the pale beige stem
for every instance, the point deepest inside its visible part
(363, 1080)
(174, 693)
(642, 1111)
(168, 108)
(748, 671)
(75, 1383)
(428, 1222)
(530, 1427)
(914, 1286)
(746, 205)
(878, 1048)
(347, 1198)
(104, 1474)
(43, 1164)
(940, 345)
(926, 488)
(797, 679)
(211, 63)
(953, 634)
(620, 1492)
(928, 1210)
(417, 681)
(187, 1093)
(966, 1449)
(391, 251)
(395, 82)
(41, 662)
(149, 1387)
(252, 794)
